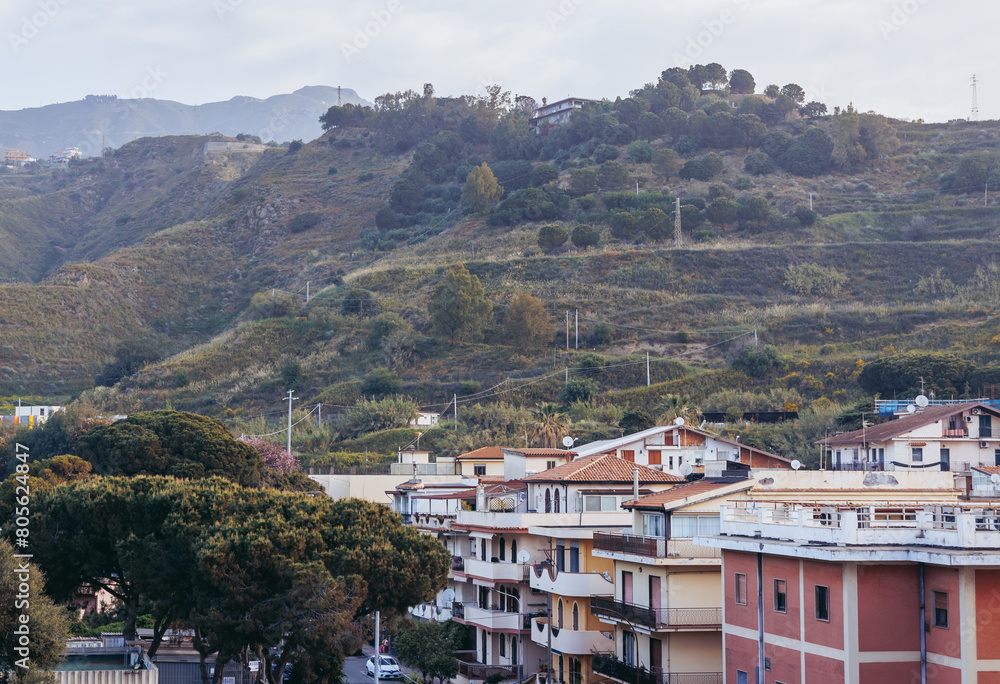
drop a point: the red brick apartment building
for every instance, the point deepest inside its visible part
(827, 593)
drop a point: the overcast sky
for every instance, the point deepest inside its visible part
(905, 58)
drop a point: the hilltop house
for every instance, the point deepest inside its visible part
(952, 437)
(555, 113)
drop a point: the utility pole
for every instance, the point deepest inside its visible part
(677, 224)
(810, 201)
(378, 644)
(647, 369)
(986, 195)
(577, 330)
(975, 98)
(290, 400)
(455, 399)
(319, 415)
(307, 292)
(756, 342)
(566, 369)
(567, 329)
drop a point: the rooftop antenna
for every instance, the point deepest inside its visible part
(975, 98)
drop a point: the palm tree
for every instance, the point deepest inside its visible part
(549, 423)
(673, 406)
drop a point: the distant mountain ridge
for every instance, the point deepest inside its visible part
(105, 121)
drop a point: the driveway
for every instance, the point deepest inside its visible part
(354, 668)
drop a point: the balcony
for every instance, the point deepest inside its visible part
(431, 612)
(657, 618)
(609, 544)
(470, 668)
(564, 640)
(497, 572)
(610, 666)
(492, 619)
(430, 521)
(417, 469)
(956, 432)
(546, 578)
(457, 563)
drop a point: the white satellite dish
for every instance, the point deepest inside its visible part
(911, 408)
(922, 401)
(523, 556)
(994, 478)
(678, 421)
(796, 464)
(686, 469)
(568, 441)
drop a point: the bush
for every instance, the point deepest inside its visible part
(605, 152)
(703, 169)
(612, 175)
(805, 215)
(543, 174)
(583, 181)
(382, 326)
(640, 151)
(758, 363)
(380, 381)
(585, 236)
(386, 219)
(130, 356)
(601, 334)
(375, 416)
(552, 237)
(758, 164)
(295, 146)
(808, 279)
(303, 222)
(271, 304)
(578, 389)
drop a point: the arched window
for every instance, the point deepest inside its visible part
(557, 501)
(513, 550)
(502, 552)
(513, 650)
(548, 501)
(559, 614)
(503, 645)
(576, 617)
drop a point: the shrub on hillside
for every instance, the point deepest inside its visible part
(373, 416)
(640, 151)
(758, 164)
(379, 382)
(703, 169)
(303, 222)
(808, 279)
(605, 152)
(271, 304)
(552, 237)
(585, 236)
(758, 363)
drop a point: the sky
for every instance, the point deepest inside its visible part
(904, 58)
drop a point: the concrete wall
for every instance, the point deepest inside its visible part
(370, 487)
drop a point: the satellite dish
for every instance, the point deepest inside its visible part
(678, 421)
(922, 401)
(796, 464)
(523, 556)
(911, 408)
(995, 478)
(568, 441)
(686, 469)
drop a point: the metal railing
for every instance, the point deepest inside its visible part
(476, 670)
(610, 666)
(458, 610)
(657, 618)
(651, 547)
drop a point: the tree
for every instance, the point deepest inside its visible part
(723, 212)
(386, 219)
(624, 225)
(772, 91)
(754, 212)
(650, 126)
(813, 109)
(666, 163)
(25, 609)
(674, 406)
(795, 92)
(170, 443)
(804, 214)
(636, 420)
(130, 357)
(578, 389)
(429, 647)
(741, 82)
(459, 307)
(703, 169)
(612, 175)
(543, 174)
(380, 381)
(481, 190)
(376, 415)
(640, 151)
(549, 424)
(758, 363)
(552, 237)
(758, 164)
(900, 374)
(406, 196)
(527, 325)
(605, 152)
(585, 236)
(809, 155)
(583, 181)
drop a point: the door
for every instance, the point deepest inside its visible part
(985, 426)
(655, 656)
(945, 460)
(560, 555)
(574, 556)
(654, 595)
(626, 587)
(483, 659)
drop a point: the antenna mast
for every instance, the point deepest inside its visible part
(975, 98)
(338, 94)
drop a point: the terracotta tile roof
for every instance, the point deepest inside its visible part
(894, 428)
(989, 470)
(540, 452)
(699, 490)
(483, 454)
(490, 479)
(601, 468)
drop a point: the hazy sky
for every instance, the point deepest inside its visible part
(905, 58)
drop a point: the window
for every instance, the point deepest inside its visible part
(593, 503)
(628, 649)
(687, 526)
(822, 603)
(479, 469)
(941, 609)
(503, 552)
(917, 454)
(549, 465)
(548, 501)
(559, 614)
(655, 458)
(503, 645)
(555, 508)
(576, 616)
(628, 455)
(742, 677)
(482, 549)
(513, 650)
(653, 525)
(780, 597)
(741, 589)
(513, 550)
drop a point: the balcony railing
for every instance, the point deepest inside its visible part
(985, 432)
(473, 669)
(657, 618)
(457, 563)
(610, 666)
(955, 432)
(458, 610)
(650, 547)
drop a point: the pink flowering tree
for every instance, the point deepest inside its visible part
(272, 455)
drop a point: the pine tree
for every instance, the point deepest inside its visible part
(481, 189)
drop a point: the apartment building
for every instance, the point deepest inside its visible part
(860, 577)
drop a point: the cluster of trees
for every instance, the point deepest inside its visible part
(943, 374)
(284, 574)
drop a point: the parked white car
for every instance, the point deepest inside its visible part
(388, 668)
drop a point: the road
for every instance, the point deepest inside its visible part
(354, 669)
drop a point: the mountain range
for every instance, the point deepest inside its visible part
(105, 121)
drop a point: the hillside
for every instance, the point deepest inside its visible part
(98, 122)
(166, 243)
